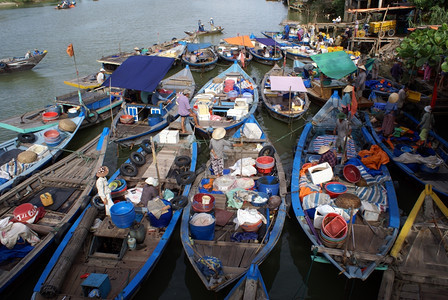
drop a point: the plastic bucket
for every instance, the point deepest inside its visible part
(203, 202)
(269, 185)
(265, 164)
(122, 214)
(205, 233)
(53, 108)
(73, 112)
(251, 227)
(154, 119)
(50, 116)
(164, 219)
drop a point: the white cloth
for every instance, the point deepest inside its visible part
(100, 77)
(407, 158)
(10, 232)
(248, 215)
(104, 193)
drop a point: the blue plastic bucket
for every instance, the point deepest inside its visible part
(122, 214)
(154, 119)
(205, 233)
(53, 108)
(164, 219)
(269, 185)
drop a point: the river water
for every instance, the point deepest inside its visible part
(99, 28)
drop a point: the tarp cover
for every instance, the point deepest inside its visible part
(141, 73)
(267, 42)
(334, 64)
(193, 46)
(284, 83)
(243, 40)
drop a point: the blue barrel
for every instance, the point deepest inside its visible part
(268, 185)
(164, 219)
(154, 119)
(122, 214)
(205, 233)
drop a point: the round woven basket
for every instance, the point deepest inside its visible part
(67, 125)
(27, 157)
(348, 200)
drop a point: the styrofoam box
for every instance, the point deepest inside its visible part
(370, 211)
(204, 117)
(321, 173)
(172, 137)
(38, 149)
(252, 131)
(237, 113)
(163, 136)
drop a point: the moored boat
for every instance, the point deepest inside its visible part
(55, 195)
(213, 30)
(235, 49)
(200, 57)
(285, 97)
(349, 212)
(85, 82)
(14, 64)
(220, 253)
(225, 101)
(29, 152)
(123, 250)
(152, 105)
(250, 286)
(266, 51)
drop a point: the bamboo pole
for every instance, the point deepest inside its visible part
(154, 158)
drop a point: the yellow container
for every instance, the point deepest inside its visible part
(46, 199)
(413, 96)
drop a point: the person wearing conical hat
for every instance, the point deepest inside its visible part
(103, 188)
(217, 146)
(342, 130)
(150, 191)
(390, 111)
(426, 124)
(327, 155)
(360, 82)
(346, 100)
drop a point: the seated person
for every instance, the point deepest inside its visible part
(327, 155)
(156, 97)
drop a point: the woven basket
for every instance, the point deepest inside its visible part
(218, 80)
(348, 200)
(67, 125)
(27, 157)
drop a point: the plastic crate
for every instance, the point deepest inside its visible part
(413, 96)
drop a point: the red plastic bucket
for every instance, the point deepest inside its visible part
(203, 202)
(265, 164)
(251, 227)
(334, 226)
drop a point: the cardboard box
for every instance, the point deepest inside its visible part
(321, 173)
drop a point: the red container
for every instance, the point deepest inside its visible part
(251, 227)
(334, 225)
(203, 202)
(126, 119)
(351, 173)
(50, 116)
(265, 164)
(52, 133)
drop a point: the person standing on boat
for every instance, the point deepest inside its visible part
(103, 188)
(327, 155)
(100, 77)
(360, 82)
(426, 124)
(402, 94)
(346, 100)
(375, 68)
(286, 32)
(212, 23)
(390, 110)
(396, 71)
(28, 55)
(184, 109)
(200, 25)
(217, 146)
(342, 130)
(150, 191)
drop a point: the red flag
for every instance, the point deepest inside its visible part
(70, 51)
(354, 107)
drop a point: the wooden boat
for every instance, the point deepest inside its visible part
(148, 118)
(213, 30)
(215, 108)
(266, 51)
(87, 82)
(285, 109)
(431, 170)
(231, 53)
(109, 256)
(420, 268)
(322, 89)
(174, 51)
(14, 64)
(45, 146)
(303, 53)
(100, 103)
(111, 62)
(217, 260)
(360, 244)
(250, 286)
(69, 181)
(200, 57)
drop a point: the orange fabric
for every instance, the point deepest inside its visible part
(70, 50)
(354, 107)
(209, 185)
(304, 191)
(240, 41)
(374, 158)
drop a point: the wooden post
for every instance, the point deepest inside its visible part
(154, 158)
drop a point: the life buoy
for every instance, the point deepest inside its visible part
(28, 137)
(137, 158)
(179, 202)
(182, 161)
(94, 118)
(185, 178)
(97, 202)
(267, 150)
(128, 169)
(145, 148)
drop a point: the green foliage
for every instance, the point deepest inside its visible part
(425, 46)
(428, 4)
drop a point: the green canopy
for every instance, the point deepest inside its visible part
(334, 64)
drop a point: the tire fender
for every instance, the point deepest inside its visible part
(137, 159)
(129, 170)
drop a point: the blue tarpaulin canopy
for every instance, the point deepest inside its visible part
(141, 73)
(194, 46)
(334, 64)
(267, 42)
